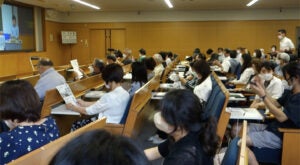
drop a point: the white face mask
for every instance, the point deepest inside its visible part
(241, 62)
(107, 86)
(280, 37)
(268, 76)
(91, 68)
(254, 54)
(161, 124)
(124, 56)
(273, 49)
(238, 51)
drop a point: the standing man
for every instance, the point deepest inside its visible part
(49, 78)
(286, 45)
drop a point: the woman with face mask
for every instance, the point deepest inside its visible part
(272, 84)
(192, 136)
(247, 70)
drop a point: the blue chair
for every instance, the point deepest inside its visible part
(124, 117)
(267, 155)
(232, 153)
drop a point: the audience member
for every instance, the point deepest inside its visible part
(111, 105)
(247, 70)
(204, 87)
(150, 65)
(100, 147)
(221, 54)
(272, 84)
(49, 77)
(127, 58)
(142, 54)
(193, 138)
(169, 58)
(20, 108)
(159, 68)
(281, 60)
(191, 80)
(110, 59)
(139, 77)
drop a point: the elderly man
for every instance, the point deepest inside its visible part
(159, 68)
(49, 78)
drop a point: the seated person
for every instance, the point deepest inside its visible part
(192, 137)
(110, 59)
(100, 147)
(281, 60)
(247, 70)
(150, 65)
(20, 108)
(139, 77)
(96, 68)
(272, 84)
(111, 105)
(49, 77)
(204, 86)
(159, 68)
(229, 64)
(169, 58)
(268, 136)
(191, 80)
(127, 58)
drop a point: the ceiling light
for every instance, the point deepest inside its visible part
(87, 4)
(169, 3)
(251, 3)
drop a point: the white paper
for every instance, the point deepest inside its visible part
(66, 93)
(244, 113)
(62, 110)
(75, 66)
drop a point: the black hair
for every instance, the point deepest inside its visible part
(268, 65)
(139, 72)
(111, 57)
(201, 67)
(220, 49)
(170, 54)
(233, 53)
(209, 51)
(282, 31)
(247, 62)
(45, 62)
(99, 64)
(142, 51)
(274, 46)
(19, 101)
(149, 63)
(113, 72)
(257, 64)
(163, 54)
(292, 68)
(100, 147)
(118, 54)
(227, 50)
(182, 109)
(258, 53)
(197, 51)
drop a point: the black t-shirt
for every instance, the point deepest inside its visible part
(186, 151)
(290, 103)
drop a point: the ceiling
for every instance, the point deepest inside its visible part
(159, 5)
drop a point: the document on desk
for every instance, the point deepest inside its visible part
(244, 113)
(62, 110)
(236, 97)
(94, 94)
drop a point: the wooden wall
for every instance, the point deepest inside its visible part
(180, 37)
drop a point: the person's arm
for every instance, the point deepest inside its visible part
(269, 102)
(81, 110)
(152, 153)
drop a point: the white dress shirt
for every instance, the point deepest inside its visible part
(158, 70)
(226, 64)
(204, 89)
(111, 105)
(275, 88)
(286, 44)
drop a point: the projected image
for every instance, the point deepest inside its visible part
(17, 32)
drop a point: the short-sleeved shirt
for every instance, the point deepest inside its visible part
(48, 80)
(290, 103)
(134, 87)
(286, 44)
(111, 105)
(24, 139)
(186, 151)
